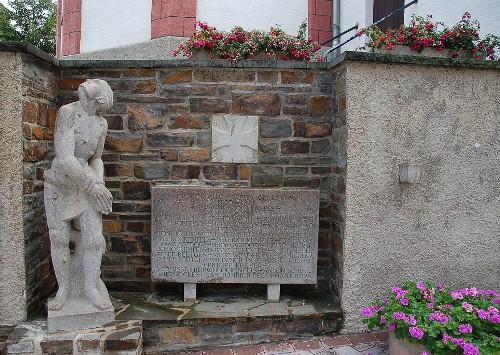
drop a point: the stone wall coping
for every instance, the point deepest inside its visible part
(9, 46)
(258, 64)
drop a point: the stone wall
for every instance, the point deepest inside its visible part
(445, 121)
(12, 268)
(39, 86)
(159, 131)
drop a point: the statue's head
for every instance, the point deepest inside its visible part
(96, 94)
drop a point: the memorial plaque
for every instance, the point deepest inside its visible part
(221, 235)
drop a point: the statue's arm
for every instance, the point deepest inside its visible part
(67, 166)
(96, 161)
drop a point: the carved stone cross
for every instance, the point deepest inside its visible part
(235, 139)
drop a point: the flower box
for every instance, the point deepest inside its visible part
(426, 52)
(209, 43)
(427, 38)
(404, 347)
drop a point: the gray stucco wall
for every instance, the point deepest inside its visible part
(446, 228)
(12, 269)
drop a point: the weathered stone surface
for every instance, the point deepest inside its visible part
(160, 140)
(75, 199)
(144, 87)
(124, 337)
(235, 139)
(297, 77)
(190, 122)
(270, 77)
(176, 77)
(266, 176)
(319, 105)
(151, 171)
(185, 172)
(275, 128)
(143, 117)
(220, 172)
(266, 236)
(231, 75)
(295, 147)
(261, 104)
(194, 154)
(123, 142)
(312, 129)
(136, 190)
(323, 146)
(209, 105)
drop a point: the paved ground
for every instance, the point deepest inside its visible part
(365, 344)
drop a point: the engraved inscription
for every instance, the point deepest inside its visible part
(234, 235)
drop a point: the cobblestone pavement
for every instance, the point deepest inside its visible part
(358, 344)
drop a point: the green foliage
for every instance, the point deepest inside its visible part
(32, 21)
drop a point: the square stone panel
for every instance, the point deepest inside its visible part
(235, 139)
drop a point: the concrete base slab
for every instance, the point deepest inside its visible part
(123, 337)
(87, 317)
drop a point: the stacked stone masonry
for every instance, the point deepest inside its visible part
(39, 110)
(159, 131)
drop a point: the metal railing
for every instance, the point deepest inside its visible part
(325, 55)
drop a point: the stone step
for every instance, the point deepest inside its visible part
(118, 337)
(170, 324)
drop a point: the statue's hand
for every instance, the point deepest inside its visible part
(102, 197)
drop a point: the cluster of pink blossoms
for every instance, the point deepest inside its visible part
(468, 348)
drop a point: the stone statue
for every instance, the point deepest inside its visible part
(75, 199)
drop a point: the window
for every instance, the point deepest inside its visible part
(382, 8)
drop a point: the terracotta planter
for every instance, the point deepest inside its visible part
(404, 347)
(426, 52)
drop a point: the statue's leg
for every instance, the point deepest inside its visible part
(59, 234)
(94, 245)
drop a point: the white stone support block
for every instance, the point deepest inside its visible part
(273, 293)
(189, 292)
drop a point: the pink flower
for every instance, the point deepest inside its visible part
(367, 312)
(495, 319)
(482, 314)
(470, 349)
(458, 341)
(468, 307)
(405, 302)
(416, 333)
(421, 285)
(411, 320)
(392, 327)
(430, 305)
(399, 316)
(465, 328)
(456, 295)
(383, 320)
(439, 317)
(446, 338)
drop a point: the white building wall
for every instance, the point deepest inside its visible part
(446, 11)
(114, 23)
(253, 14)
